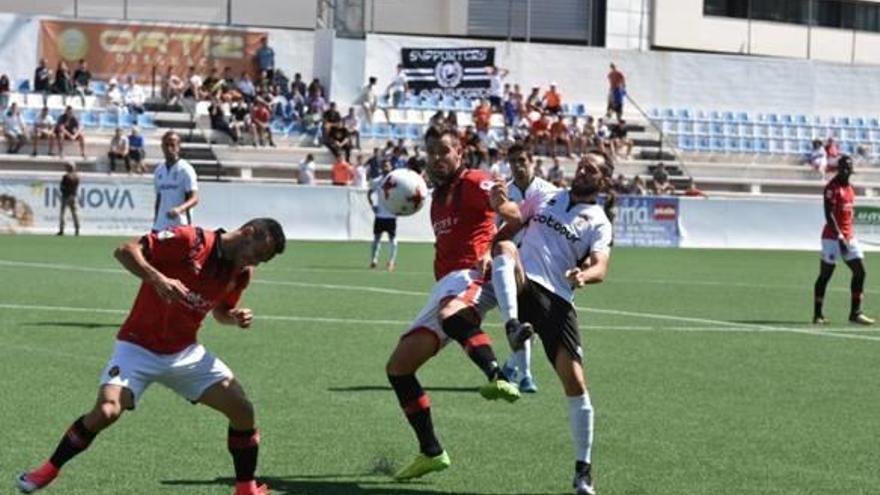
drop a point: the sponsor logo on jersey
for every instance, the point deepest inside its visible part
(553, 224)
(444, 225)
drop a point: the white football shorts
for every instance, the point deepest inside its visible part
(831, 251)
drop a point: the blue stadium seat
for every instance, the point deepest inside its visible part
(431, 102)
(448, 102)
(858, 122)
(99, 88)
(380, 130)
(580, 110)
(28, 115)
(566, 109)
(743, 117)
(366, 130)
(789, 131)
(702, 128)
(411, 101)
(146, 121)
(108, 120)
(732, 145)
(654, 113)
(847, 147)
(862, 134)
(704, 144)
(90, 119)
(684, 114)
(685, 127)
(669, 126)
(731, 129)
(464, 105)
(398, 131)
(729, 117)
(777, 131)
(278, 128)
(703, 116)
(747, 145)
(762, 145)
(414, 132)
(23, 85)
(668, 114)
(718, 144)
(126, 120)
(296, 128)
(747, 129)
(716, 129)
(787, 119)
(716, 116)
(686, 143)
(771, 118)
(800, 119)
(844, 122)
(777, 146)
(874, 123)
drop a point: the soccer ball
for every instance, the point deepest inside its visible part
(403, 192)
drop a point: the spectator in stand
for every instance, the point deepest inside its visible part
(621, 185)
(220, 120)
(63, 83)
(282, 81)
(4, 91)
(482, 117)
(616, 92)
(306, 174)
(539, 133)
(331, 118)
(660, 183)
(136, 151)
(452, 121)
(637, 188)
(172, 87)
(212, 84)
(501, 170)
(246, 87)
(417, 162)
(134, 97)
(438, 121)
(475, 153)
(496, 88)
(352, 124)
(298, 85)
(228, 79)
(832, 151)
(114, 99)
(118, 151)
(261, 119)
(519, 100)
(556, 175)
(360, 173)
(342, 173)
(68, 129)
(533, 102)
(553, 100)
(42, 78)
(69, 187)
(265, 61)
(298, 106)
(621, 145)
(589, 136)
(603, 137)
(397, 89)
(82, 80)
(693, 191)
(511, 111)
(818, 158)
(338, 141)
(539, 169)
(44, 128)
(316, 88)
(194, 83)
(559, 135)
(368, 101)
(240, 121)
(14, 129)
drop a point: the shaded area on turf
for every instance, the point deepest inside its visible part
(387, 388)
(71, 324)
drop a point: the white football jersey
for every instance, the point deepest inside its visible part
(559, 237)
(517, 195)
(376, 188)
(172, 184)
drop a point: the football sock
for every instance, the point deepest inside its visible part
(393, 257)
(244, 445)
(477, 345)
(377, 243)
(75, 440)
(819, 288)
(417, 407)
(856, 288)
(504, 283)
(580, 415)
(524, 358)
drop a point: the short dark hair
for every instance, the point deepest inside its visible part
(269, 228)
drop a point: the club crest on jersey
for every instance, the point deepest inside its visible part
(165, 235)
(113, 372)
(487, 185)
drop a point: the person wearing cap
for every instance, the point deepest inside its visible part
(553, 100)
(839, 242)
(69, 187)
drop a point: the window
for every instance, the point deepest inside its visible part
(726, 8)
(793, 11)
(842, 14)
(868, 17)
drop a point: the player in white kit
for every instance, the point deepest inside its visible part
(176, 187)
(385, 221)
(566, 245)
(524, 185)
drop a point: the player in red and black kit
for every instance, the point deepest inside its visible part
(187, 272)
(838, 242)
(463, 218)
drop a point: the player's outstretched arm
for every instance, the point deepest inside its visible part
(131, 256)
(501, 203)
(192, 199)
(227, 315)
(593, 271)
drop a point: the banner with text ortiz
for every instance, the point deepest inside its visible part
(462, 72)
(647, 221)
(105, 207)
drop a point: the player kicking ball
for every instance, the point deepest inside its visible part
(565, 246)
(187, 272)
(463, 219)
(838, 241)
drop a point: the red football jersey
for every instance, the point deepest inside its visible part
(463, 222)
(841, 199)
(191, 255)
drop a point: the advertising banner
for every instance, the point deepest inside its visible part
(867, 224)
(114, 50)
(462, 72)
(647, 221)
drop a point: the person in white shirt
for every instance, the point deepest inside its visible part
(385, 221)
(500, 170)
(523, 186)
(818, 158)
(306, 174)
(368, 101)
(114, 97)
(496, 87)
(566, 246)
(14, 129)
(396, 90)
(360, 173)
(44, 128)
(176, 187)
(134, 97)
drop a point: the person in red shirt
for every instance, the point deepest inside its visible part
(463, 218)
(838, 241)
(482, 117)
(616, 92)
(186, 273)
(261, 118)
(553, 100)
(342, 173)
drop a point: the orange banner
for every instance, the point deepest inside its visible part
(117, 50)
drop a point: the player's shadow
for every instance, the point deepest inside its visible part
(90, 325)
(387, 388)
(334, 484)
(772, 322)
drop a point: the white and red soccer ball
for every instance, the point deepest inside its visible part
(403, 192)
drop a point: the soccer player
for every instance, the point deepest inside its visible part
(176, 187)
(463, 219)
(838, 241)
(385, 221)
(186, 273)
(566, 245)
(521, 187)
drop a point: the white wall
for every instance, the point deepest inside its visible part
(628, 24)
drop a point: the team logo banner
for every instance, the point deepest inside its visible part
(114, 50)
(867, 224)
(462, 72)
(647, 221)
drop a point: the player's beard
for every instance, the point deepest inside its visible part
(585, 188)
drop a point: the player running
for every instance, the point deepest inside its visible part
(521, 187)
(566, 245)
(463, 218)
(385, 221)
(187, 272)
(838, 241)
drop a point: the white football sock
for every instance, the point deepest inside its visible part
(377, 243)
(393, 257)
(525, 358)
(504, 283)
(580, 415)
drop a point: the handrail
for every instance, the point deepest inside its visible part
(659, 129)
